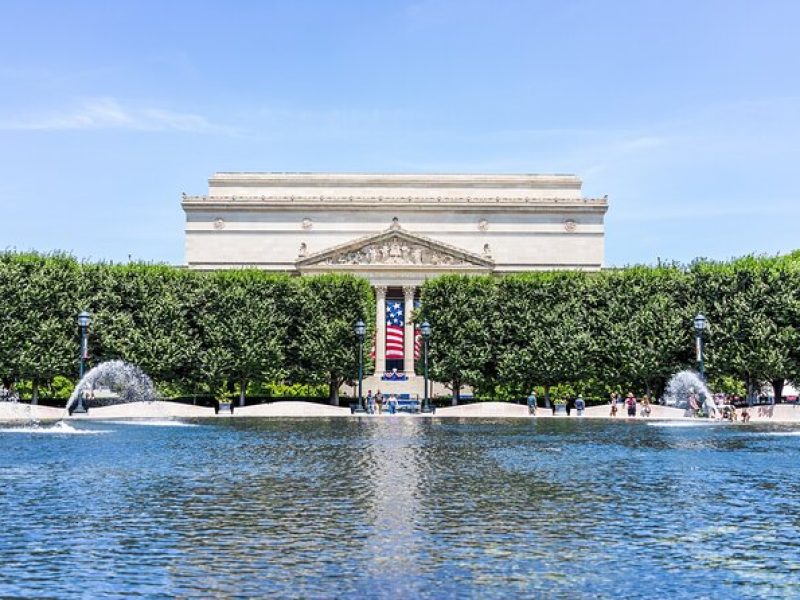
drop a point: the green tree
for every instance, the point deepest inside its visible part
(462, 312)
(38, 307)
(141, 314)
(245, 326)
(325, 348)
(642, 325)
(753, 314)
(545, 332)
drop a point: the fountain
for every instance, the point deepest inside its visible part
(683, 385)
(127, 382)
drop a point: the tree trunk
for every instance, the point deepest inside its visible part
(35, 392)
(456, 392)
(333, 391)
(242, 388)
(777, 388)
(750, 391)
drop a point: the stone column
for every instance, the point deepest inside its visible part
(408, 333)
(380, 330)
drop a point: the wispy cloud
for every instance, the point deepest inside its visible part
(109, 113)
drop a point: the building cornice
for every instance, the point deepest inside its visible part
(331, 202)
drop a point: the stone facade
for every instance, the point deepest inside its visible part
(395, 230)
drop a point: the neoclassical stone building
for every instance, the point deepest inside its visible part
(396, 230)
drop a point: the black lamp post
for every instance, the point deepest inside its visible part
(699, 327)
(360, 330)
(84, 320)
(425, 330)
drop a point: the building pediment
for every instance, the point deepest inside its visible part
(395, 247)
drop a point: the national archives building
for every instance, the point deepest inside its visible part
(396, 230)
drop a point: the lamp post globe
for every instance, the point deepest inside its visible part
(425, 330)
(360, 330)
(700, 322)
(699, 328)
(84, 319)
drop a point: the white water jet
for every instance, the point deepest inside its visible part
(683, 385)
(127, 382)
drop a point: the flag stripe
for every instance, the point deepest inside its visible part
(395, 334)
(394, 341)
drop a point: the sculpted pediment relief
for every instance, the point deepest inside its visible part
(394, 251)
(396, 247)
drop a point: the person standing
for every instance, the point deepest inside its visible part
(613, 404)
(532, 403)
(630, 403)
(646, 406)
(379, 401)
(580, 405)
(693, 407)
(370, 402)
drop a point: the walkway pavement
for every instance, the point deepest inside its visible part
(13, 411)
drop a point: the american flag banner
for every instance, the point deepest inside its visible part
(417, 335)
(394, 328)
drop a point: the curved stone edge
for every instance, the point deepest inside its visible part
(291, 408)
(13, 411)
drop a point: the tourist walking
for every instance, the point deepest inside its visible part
(370, 402)
(613, 404)
(392, 404)
(580, 405)
(630, 403)
(532, 403)
(379, 401)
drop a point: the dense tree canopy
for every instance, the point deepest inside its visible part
(244, 331)
(325, 344)
(642, 324)
(546, 337)
(461, 310)
(39, 303)
(753, 308)
(621, 328)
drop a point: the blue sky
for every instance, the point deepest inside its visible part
(686, 113)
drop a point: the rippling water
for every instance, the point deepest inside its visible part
(400, 508)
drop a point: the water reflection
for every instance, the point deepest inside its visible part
(401, 508)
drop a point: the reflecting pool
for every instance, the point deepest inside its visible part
(399, 508)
